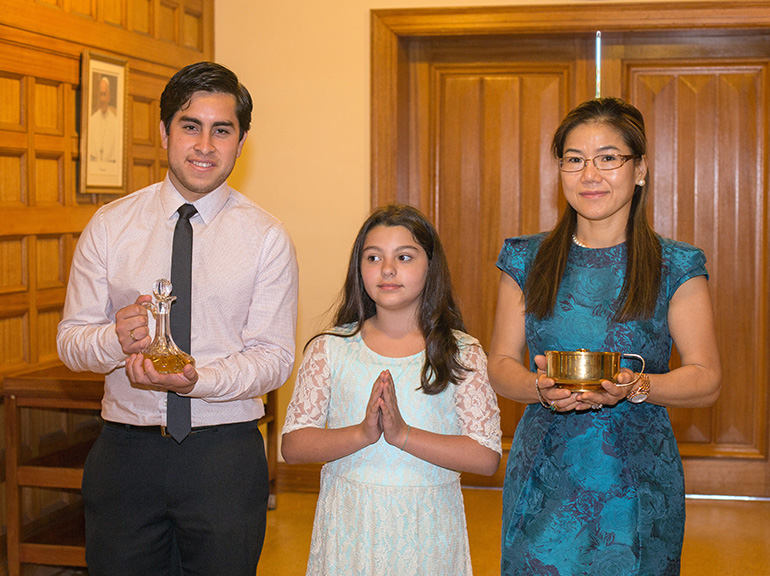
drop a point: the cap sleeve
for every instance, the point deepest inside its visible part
(517, 255)
(681, 262)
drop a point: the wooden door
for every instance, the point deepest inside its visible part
(472, 138)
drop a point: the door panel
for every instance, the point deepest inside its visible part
(491, 149)
(707, 139)
(488, 128)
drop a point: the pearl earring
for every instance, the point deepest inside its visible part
(640, 183)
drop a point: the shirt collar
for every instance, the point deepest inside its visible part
(208, 206)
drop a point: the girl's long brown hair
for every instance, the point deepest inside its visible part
(438, 315)
(641, 283)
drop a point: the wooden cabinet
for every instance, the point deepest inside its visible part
(61, 540)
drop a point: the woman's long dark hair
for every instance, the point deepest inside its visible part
(438, 315)
(641, 283)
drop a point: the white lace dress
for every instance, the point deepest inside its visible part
(382, 511)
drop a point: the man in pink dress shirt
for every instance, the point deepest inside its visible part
(156, 505)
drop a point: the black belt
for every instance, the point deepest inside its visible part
(159, 430)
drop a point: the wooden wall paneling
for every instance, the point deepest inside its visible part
(112, 31)
(192, 27)
(32, 293)
(716, 109)
(52, 3)
(14, 312)
(48, 107)
(144, 122)
(143, 173)
(57, 62)
(13, 270)
(168, 20)
(49, 180)
(12, 173)
(420, 178)
(14, 337)
(42, 212)
(71, 144)
(141, 16)
(47, 324)
(50, 262)
(144, 142)
(83, 8)
(112, 12)
(39, 78)
(12, 96)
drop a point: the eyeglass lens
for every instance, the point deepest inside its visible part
(602, 162)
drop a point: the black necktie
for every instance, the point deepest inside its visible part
(178, 407)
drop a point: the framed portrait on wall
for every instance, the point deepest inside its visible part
(103, 131)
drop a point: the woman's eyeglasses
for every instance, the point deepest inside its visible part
(601, 162)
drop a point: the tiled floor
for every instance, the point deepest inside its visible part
(722, 538)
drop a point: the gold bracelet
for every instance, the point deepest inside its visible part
(408, 428)
(641, 392)
(543, 403)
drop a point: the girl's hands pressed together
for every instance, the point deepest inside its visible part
(393, 426)
(371, 425)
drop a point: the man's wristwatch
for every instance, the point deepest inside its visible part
(643, 390)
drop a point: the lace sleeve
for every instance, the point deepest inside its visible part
(476, 401)
(310, 400)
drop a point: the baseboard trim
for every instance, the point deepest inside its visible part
(307, 478)
(299, 477)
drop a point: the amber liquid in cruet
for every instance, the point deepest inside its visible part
(164, 354)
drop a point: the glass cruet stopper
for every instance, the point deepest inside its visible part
(165, 355)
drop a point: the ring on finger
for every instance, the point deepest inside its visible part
(131, 335)
(553, 407)
(597, 406)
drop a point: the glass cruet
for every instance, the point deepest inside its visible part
(165, 355)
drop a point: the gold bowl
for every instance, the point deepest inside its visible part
(583, 371)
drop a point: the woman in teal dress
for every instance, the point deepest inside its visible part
(594, 484)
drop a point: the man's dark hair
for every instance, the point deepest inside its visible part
(206, 77)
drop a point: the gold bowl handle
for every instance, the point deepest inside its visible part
(635, 380)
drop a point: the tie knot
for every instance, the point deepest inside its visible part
(186, 211)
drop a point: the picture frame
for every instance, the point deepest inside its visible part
(103, 124)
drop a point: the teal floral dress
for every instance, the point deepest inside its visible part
(597, 493)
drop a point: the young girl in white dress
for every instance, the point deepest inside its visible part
(395, 398)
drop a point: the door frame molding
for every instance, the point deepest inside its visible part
(391, 30)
